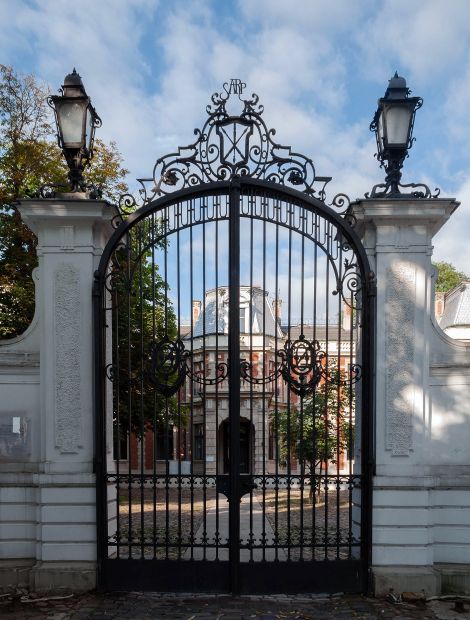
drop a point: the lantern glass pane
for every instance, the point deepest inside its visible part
(398, 120)
(71, 122)
(380, 132)
(89, 128)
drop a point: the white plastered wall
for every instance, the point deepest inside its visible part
(421, 486)
(47, 483)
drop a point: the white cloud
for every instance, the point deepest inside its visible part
(150, 69)
(451, 243)
(425, 38)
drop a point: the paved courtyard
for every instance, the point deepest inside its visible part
(136, 606)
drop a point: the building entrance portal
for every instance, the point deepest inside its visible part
(246, 438)
(233, 338)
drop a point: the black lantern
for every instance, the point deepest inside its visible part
(393, 126)
(76, 121)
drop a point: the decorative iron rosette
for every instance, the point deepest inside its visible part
(301, 365)
(168, 365)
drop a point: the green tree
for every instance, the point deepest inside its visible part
(319, 431)
(448, 277)
(143, 316)
(29, 159)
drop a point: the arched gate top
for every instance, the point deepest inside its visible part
(337, 213)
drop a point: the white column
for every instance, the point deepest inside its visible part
(71, 236)
(398, 236)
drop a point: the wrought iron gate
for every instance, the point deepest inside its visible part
(233, 330)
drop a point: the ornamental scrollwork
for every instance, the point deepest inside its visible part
(349, 284)
(202, 377)
(234, 141)
(302, 364)
(170, 364)
(246, 372)
(167, 367)
(418, 190)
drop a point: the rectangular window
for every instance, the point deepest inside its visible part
(242, 320)
(199, 442)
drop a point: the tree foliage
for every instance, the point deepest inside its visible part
(320, 430)
(448, 277)
(29, 159)
(143, 315)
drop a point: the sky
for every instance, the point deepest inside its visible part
(319, 67)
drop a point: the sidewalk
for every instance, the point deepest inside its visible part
(143, 606)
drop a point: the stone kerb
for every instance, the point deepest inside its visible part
(407, 541)
(57, 481)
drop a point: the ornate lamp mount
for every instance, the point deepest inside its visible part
(393, 126)
(76, 121)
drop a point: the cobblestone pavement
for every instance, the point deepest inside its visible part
(136, 606)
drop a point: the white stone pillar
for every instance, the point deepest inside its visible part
(397, 234)
(71, 236)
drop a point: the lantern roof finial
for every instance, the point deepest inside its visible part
(73, 79)
(397, 88)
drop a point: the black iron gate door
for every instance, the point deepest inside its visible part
(233, 320)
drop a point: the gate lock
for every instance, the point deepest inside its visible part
(246, 485)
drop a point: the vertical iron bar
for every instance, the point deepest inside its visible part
(251, 210)
(115, 395)
(129, 390)
(350, 438)
(264, 358)
(313, 474)
(142, 408)
(216, 364)
(278, 386)
(179, 434)
(289, 396)
(203, 207)
(167, 407)
(326, 413)
(191, 415)
(301, 398)
(154, 418)
(339, 429)
(234, 381)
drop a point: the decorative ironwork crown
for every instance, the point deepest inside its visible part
(230, 145)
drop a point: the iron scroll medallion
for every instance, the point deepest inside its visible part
(301, 365)
(170, 364)
(167, 368)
